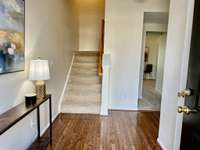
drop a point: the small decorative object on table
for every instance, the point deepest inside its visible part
(39, 72)
(30, 99)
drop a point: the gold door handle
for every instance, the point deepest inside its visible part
(184, 93)
(187, 110)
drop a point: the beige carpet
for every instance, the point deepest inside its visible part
(151, 99)
(83, 92)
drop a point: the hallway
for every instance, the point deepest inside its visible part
(119, 131)
(151, 99)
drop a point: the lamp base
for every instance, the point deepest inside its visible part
(40, 89)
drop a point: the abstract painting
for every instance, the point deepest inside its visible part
(12, 28)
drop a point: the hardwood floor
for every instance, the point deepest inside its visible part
(120, 131)
(151, 98)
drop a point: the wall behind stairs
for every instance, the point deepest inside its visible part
(123, 39)
(50, 35)
(90, 14)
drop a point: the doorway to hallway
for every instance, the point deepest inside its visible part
(152, 62)
(153, 71)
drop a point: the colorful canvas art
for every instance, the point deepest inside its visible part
(12, 47)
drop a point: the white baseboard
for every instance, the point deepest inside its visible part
(104, 113)
(65, 86)
(141, 97)
(44, 129)
(161, 144)
(126, 108)
(47, 126)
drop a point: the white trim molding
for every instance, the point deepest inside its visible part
(180, 20)
(124, 107)
(105, 95)
(161, 144)
(48, 125)
(65, 85)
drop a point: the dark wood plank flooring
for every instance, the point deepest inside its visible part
(120, 131)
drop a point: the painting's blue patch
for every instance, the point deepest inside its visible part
(2, 9)
(2, 62)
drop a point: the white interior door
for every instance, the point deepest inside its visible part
(175, 74)
(184, 71)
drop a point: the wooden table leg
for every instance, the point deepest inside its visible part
(38, 121)
(50, 118)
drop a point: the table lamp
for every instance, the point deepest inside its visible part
(39, 72)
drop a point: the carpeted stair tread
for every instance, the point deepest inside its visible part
(83, 92)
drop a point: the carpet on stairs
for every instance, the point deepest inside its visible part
(83, 93)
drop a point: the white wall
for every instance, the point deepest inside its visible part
(123, 39)
(90, 16)
(160, 63)
(49, 34)
(175, 72)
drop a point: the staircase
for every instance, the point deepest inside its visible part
(83, 92)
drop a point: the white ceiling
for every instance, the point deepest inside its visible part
(156, 17)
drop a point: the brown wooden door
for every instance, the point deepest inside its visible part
(190, 139)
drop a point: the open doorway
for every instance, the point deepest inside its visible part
(152, 62)
(153, 70)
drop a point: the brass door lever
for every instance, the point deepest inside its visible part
(187, 110)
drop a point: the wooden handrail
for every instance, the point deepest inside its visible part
(101, 49)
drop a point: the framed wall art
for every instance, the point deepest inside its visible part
(12, 36)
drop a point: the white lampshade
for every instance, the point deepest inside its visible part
(39, 70)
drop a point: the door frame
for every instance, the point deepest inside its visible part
(184, 72)
(148, 27)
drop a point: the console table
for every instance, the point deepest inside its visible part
(17, 113)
